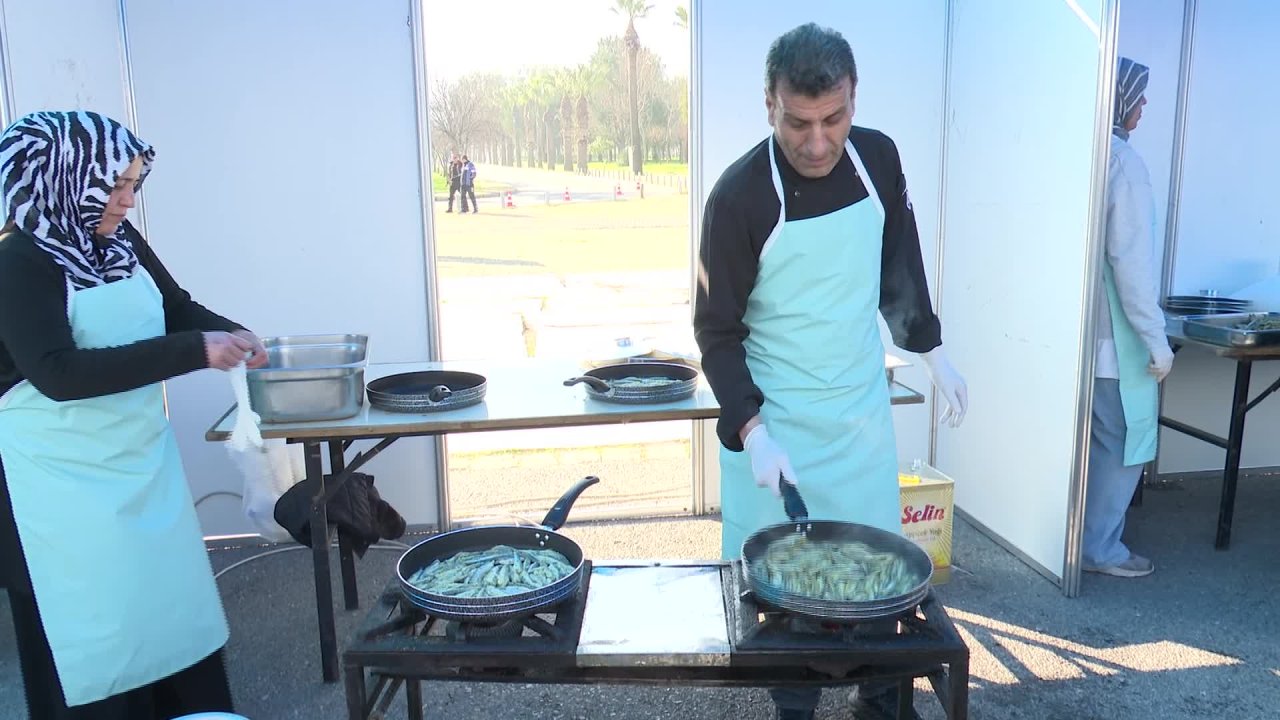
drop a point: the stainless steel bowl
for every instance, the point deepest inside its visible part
(310, 378)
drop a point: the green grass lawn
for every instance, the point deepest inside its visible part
(650, 168)
(637, 235)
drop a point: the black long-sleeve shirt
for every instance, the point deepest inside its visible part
(742, 210)
(35, 336)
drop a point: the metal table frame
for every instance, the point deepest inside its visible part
(386, 656)
(1241, 404)
(386, 428)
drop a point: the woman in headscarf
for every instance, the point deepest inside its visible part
(1132, 354)
(113, 598)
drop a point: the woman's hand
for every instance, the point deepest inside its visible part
(223, 350)
(259, 358)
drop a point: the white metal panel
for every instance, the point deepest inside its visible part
(898, 49)
(1226, 232)
(286, 195)
(1229, 217)
(1019, 167)
(1151, 34)
(65, 55)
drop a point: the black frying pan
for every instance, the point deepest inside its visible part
(603, 382)
(495, 609)
(755, 546)
(427, 391)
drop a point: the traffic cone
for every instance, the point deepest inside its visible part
(617, 191)
(508, 202)
(637, 186)
(566, 194)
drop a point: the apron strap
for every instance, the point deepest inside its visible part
(782, 200)
(866, 176)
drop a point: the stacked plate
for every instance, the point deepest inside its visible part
(427, 391)
(1204, 305)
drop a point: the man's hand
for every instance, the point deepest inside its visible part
(259, 358)
(768, 460)
(1161, 363)
(949, 383)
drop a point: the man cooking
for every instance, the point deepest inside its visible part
(804, 238)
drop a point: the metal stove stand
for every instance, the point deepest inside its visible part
(399, 646)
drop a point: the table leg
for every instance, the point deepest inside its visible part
(347, 561)
(1235, 438)
(320, 560)
(356, 699)
(906, 698)
(413, 698)
(958, 674)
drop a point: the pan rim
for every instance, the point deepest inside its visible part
(413, 592)
(832, 608)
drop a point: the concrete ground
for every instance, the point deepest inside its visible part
(1195, 640)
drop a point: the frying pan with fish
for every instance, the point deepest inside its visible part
(755, 548)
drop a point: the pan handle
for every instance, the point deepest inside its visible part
(596, 384)
(560, 511)
(791, 500)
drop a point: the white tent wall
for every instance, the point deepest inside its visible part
(75, 68)
(1150, 33)
(1020, 166)
(286, 196)
(1227, 219)
(898, 48)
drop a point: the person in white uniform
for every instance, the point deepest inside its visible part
(1133, 353)
(806, 240)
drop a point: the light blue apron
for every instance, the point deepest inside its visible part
(814, 349)
(107, 524)
(1139, 391)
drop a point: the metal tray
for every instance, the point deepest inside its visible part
(310, 378)
(1227, 329)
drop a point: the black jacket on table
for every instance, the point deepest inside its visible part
(742, 210)
(36, 345)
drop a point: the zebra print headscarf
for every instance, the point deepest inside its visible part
(58, 170)
(1131, 83)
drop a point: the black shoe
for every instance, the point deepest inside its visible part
(794, 714)
(881, 706)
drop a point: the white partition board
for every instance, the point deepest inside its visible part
(1020, 160)
(286, 196)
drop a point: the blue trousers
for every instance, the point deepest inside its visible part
(1110, 482)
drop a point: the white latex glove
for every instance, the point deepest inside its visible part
(768, 460)
(947, 380)
(1161, 363)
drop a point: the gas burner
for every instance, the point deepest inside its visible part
(731, 641)
(398, 623)
(461, 632)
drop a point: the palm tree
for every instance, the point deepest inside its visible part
(566, 128)
(579, 83)
(682, 17)
(633, 9)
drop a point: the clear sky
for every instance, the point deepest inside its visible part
(503, 36)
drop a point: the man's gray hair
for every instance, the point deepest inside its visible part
(812, 59)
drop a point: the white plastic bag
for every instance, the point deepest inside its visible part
(269, 467)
